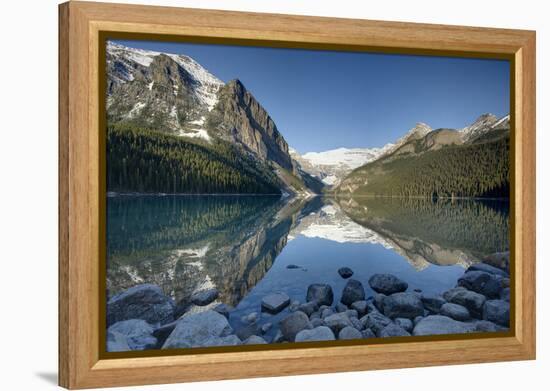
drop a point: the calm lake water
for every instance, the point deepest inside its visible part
(242, 245)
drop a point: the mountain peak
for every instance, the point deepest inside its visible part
(481, 125)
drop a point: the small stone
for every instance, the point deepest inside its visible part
(471, 300)
(327, 312)
(349, 333)
(497, 311)
(265, 327)
(484, 326)
(250, 318)
(387, 284)
(505, 294)
(308, 308)
(356, 323)
(345, 272)
(405, 324)
(204, 297)
(353, 291)
(432, 303)
(279, 337)
(361, 307)
(352, 314)
(375, 321)
(292, 324)
(379, 301)
(337, 321)
(138, 333)
(116, 342)
(455, 311)
(275, 302)
(250, 329)
(481, 282)
(393, 330)
(417, 290)
(254, 340)
(417, 319)
(315, 315)
(229, 340)
(321, 293)
(291, 266)
(321, 333)
(294, 305)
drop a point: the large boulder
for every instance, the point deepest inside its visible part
(145, 301)
(387, 284)
(375, 321)
(293, 324)
(321, 293)
(349, 333)
(481, 282)
(199, 330)
(393, 330)
(432, 303)
(353, 291)
(321, 333)
(275, 302)
(138, 333)
(338, 321)
(497, 311)
(471, 300)
(455, 311)
(403, 305)
(438, 324)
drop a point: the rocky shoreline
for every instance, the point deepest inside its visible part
(142, 317)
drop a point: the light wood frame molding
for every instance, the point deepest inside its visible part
(80, 25)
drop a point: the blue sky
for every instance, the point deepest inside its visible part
(322, 100)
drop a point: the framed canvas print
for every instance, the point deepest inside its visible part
(248, 195)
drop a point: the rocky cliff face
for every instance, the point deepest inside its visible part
(240, 118)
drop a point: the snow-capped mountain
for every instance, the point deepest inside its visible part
(333, 165)
(482, 125)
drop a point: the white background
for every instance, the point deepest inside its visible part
(28, 206)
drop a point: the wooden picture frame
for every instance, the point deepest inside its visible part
(81, 25)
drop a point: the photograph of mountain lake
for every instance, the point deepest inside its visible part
(268, 196)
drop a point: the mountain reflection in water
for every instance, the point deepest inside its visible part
(188, 243)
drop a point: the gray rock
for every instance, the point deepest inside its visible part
(138, 333)
(275, 302)
(117, 342)
(403, 305)
(340, 307)
(293, 324)
(146, 302)
(321, 293)
(375, 321)
(349, 333)
(204, 297)
(265, 327)
(248, 330)
(345, 272)
(198, 329)
(250, 318)
(481, 282)
(505, 294)
(393, 330)
(379, 301)
(455, 311)
(497, 311)
(471, 300)
(361, 307)
(438, 324)
(327, 312)
(338, 321)
(279, 337)
(367, 333)
(484, 267)
(254, 340)
(321, 333)
(405, 324)
(352, 314)
(162, 332)
(223, 309)
(308, 308)
(315, 315)
(353, 291)
(387, 284)
(432, 303)
(317, 322)
(417, 319)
